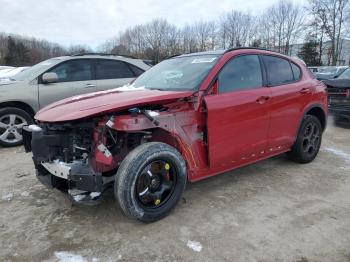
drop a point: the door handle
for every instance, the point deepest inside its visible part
(263, 99)
(89, 85)
(305, 90)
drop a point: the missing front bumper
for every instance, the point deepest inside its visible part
(77, 177)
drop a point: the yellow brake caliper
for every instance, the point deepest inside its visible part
(167, 168)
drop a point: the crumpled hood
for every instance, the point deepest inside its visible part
(103, 102)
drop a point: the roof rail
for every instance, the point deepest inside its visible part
(103, 54)
(257, 48)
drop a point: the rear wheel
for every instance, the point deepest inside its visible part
(308, 142)
(12, 121)
(150, 181)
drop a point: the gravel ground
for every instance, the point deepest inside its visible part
(274, 210)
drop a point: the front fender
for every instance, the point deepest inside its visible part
(179, 127)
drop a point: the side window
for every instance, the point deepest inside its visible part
(112, 69)
(74, 70)
(296, 71)
(243, 72)
(137, 71)
(279, 70)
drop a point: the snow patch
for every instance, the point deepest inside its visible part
(7, 197)
(78, 198)
(63, 256)
(35, 128)
(152, 113)
(126, 87)
(95, 194)
(194, 245)
(129, 87)
(338, 152)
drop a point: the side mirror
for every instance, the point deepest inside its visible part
(50, 77)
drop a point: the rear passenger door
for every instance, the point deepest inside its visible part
(113, 73)
(289, 96)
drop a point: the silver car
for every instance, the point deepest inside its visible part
(57, 78)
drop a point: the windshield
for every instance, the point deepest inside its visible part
(345, 74)
(36, 69)
(179, 73)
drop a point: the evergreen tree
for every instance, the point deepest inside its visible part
(309, 53)
(11, 56)
(256, 43)
(17, 53)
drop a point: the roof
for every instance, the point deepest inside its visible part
(223, 51)
(212, 52)
(136, 62)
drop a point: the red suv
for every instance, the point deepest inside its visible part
(189, 117)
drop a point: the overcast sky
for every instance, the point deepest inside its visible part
(89, 22)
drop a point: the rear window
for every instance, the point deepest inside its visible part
(111, 69)
(137, 71)
(279, 70)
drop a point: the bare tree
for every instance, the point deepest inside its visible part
(236, 29)
(332, 14)
(281, 24)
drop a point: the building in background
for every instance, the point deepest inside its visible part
(344, 57)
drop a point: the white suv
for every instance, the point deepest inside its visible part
(57, 78)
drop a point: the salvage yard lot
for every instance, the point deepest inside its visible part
(274, 210)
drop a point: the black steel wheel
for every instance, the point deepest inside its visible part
(308, 142)
(150, 181)
(156, 183)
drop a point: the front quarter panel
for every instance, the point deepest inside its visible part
(24, 91)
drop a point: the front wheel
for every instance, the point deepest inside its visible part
(150, 181)
(308, 142)
(12, 121)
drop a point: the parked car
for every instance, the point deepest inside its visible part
(6, 75)
(57, 78)
(187, 118)
(5, 71)
(314, 69)
(5, 67)
(339, 98)
(330, 72)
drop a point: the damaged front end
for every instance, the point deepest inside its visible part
(61, 158)
(82, 158)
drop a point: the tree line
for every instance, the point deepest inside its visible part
(278, 27)
(17, 50)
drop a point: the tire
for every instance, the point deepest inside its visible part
(11, 122)
(132, 172)
(308, 141)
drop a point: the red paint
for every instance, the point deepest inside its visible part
(214, 132)
(104, 102)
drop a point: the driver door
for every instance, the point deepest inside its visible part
(75, 77)
(238, 114)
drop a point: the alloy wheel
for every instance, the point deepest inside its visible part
(311, 138)
(11, 128)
